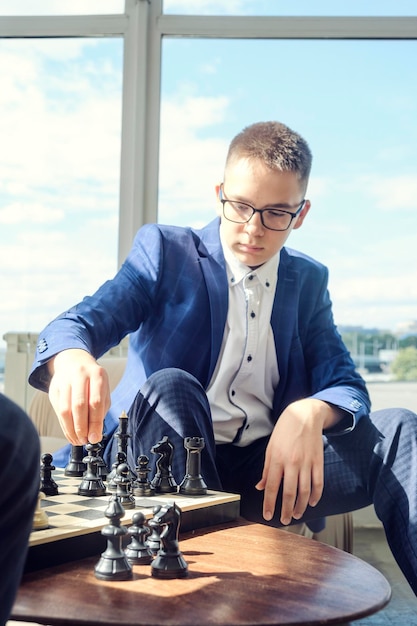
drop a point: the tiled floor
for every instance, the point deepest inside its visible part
(371, 546)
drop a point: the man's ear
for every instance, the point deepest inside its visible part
(219, 208)
(300, 218)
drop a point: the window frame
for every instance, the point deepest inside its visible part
(142, 27)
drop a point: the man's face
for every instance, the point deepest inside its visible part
(252, 182)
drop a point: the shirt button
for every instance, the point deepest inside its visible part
(233, 392)
(249, 359)
(251, 277)
(252, 315)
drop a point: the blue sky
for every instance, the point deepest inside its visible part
(355, 103)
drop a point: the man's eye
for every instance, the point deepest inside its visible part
(242, 207)
(274, 213)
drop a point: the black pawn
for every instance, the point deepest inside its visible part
(153, 542)
(75, 466)
(48, 485)
(113, 563)
(137, 551)
(193, 483)
(123, 486)
(142, 486)
(111, 483)
(92, 484)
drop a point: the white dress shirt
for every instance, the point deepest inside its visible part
(242, 388)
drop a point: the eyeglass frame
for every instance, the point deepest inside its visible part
(223, 200)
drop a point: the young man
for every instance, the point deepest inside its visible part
(232, 339)
(20, 481)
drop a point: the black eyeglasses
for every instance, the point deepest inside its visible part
(272, 218)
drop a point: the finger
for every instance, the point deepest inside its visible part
(60, 399)
(289, 495)
(80, 409)
(98, 406)
(272, 485)
(317, 484)
(303, 494)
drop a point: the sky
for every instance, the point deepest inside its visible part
(60, 123)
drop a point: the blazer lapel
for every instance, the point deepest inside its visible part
(214, 269)
(284, 318)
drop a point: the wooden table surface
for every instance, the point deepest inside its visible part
(239, 575)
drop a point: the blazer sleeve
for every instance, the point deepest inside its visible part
(313, 360)
(334, 377)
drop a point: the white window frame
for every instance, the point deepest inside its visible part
(142, 26)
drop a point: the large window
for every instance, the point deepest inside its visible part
(356, 104)
(291, 7)
(118, 112)
(60, 128)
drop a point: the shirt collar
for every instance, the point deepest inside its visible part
(237, 271)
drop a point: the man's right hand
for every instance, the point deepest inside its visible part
(80, 395)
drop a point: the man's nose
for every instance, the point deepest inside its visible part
(255, 224)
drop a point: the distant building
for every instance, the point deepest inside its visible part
(405, 329)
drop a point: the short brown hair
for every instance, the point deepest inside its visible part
(274, 144)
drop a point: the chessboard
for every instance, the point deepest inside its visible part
(75, 522)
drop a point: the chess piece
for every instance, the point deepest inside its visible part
(48, 485)
(102, 470)
(142, 486)
(75, 466)
(193, 483)
(40, 518)
(122, 435)
(92, 485)
(123, 486)
(163, 481)
(137, 551)
(153, 542)
(169, 562)
(111, 483)
(113, 563)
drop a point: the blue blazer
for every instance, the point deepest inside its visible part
(171, 297)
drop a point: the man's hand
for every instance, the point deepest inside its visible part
(80, 395)
(294, 458)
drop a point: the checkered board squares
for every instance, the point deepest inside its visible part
(71, 515)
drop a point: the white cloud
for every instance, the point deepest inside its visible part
(393, 192)
(29, 213)
(60, 159)
(192, 158)
(206, 7)
(60, 7)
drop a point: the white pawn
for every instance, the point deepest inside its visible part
(40, 518)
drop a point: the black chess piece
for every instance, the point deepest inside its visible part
(123, 486)
(92, 484)
(75, 466)
(102, 470)
(137, 551)
(48, 485)
(142, 486)
(120, 458)
(153, 542)
(113, 563)
(163, 481)
(193, 483)
(169, 562)
(121, 434)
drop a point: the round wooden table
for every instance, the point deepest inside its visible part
(239, 575)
